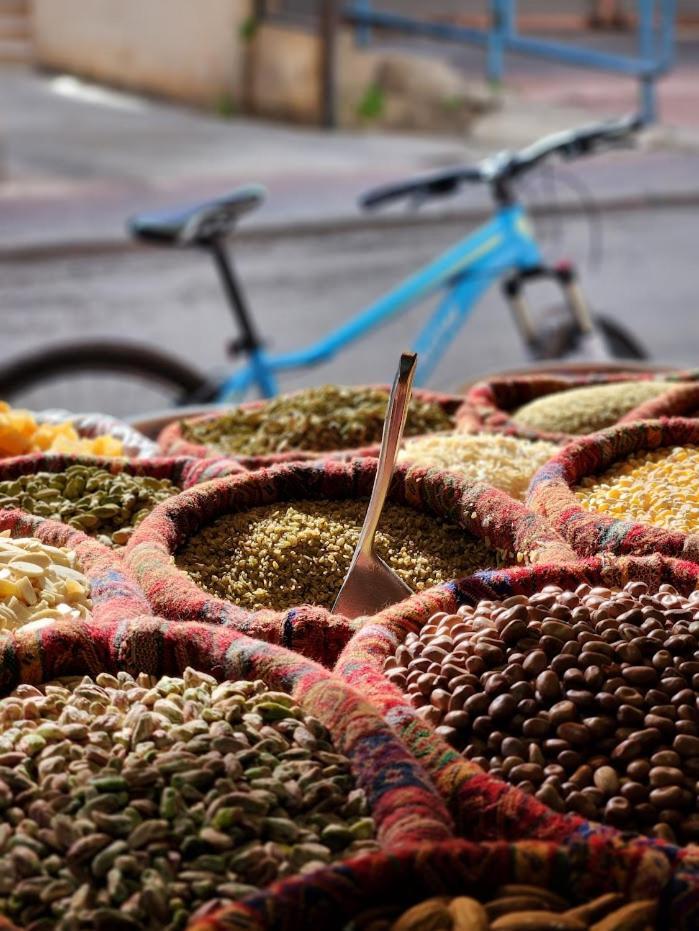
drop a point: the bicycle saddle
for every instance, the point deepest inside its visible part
(198, 223)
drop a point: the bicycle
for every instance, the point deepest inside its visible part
(504, 247)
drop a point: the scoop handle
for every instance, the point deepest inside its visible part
(390, 442)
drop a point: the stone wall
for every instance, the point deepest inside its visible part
(188, 50)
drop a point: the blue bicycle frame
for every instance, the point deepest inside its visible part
(464, 272)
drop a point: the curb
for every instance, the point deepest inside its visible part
(266, 232)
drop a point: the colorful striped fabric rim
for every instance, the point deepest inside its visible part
(551, 491)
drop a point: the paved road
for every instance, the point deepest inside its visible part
(304, 284)
(75, 160)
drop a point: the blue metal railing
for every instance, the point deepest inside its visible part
(655, 42)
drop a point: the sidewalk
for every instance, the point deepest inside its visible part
(76, 161)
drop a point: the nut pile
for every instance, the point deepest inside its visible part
(39, 582)
(587, 409)
(317, 419)
(129, 804)
(659, 487)
(21, 433)
(506, 462)
(281, 555)
(91, 499)
(588, 699)
(515, 907)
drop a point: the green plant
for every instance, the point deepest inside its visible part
(373, 102)
(225, 105)
(453, 103)
(248, 28)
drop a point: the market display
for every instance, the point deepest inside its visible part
(105, 505)
(21, 433)
(513, 907)
(130, 803)
(506, 462)
(509, 748)
(39, 582)
(586, 698)
(588, 409)
(319, 419)
(287, 554)
(658, 487)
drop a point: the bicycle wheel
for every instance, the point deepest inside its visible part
(620, 343)
(115, 378)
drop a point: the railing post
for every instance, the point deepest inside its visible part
(646, 51)
(328, 27)
(495, 55)
(362, 33)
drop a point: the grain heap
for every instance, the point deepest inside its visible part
(21, 433)
(128, 804)
(39, 582)
(587, 699)
(317, 419)
(105, 505)
(585, 410)
(506, 462)
(514, 907)
(659, 487)
(282, 555)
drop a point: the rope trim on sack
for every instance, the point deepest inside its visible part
(489, 404)
(487, 513)
(173, 443)
(551, 491)
(484, 807)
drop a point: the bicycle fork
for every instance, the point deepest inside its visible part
(566, 277)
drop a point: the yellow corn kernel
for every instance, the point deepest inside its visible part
(660, 487)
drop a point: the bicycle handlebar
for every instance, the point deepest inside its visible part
(502, 167)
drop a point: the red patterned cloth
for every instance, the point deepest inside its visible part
(173, 443)
(551, 491)
(483, 806)
(181, 470)
(490, 404)
(682, 401)
(405, 805)
(481, 510)
(330, 898)
(114, 592)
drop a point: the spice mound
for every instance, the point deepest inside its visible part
(39, 582)
(91, 499)
(660, 487)
(514, 907)
(587, 699)
(128, 804)
(506, 462)
(318, 419)
(21, 433)
(282, 555)
(586, 410)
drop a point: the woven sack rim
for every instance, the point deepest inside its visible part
(483, 510)
(331, 897)
(170, 437)
(551, 493)
(483, 409)
(114, 590)
(462, 783)
(403, 800)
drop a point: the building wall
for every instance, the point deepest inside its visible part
(189, 50)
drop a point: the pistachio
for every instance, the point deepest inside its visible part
(121, 808)
(104, 504)
(318, 419)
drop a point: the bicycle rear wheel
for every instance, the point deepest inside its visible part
(117, 378)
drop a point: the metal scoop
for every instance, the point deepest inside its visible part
(370, 585)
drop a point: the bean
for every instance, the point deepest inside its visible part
(616, 740)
